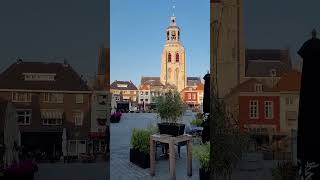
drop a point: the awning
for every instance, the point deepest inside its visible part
(51, 114)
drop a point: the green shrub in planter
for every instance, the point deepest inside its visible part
(140, 140)
(202, 153)
(197, 122)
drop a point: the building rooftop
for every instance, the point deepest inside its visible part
(42, 76)
(123, 85)
(267, 62)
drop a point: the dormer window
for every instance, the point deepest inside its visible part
(39, 76)
(122, 85)
(258, 87)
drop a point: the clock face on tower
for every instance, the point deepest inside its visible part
(173, 33)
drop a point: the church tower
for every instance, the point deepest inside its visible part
(173, 60)
(229, 51)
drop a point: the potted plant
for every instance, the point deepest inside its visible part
(140, 141)
(285, 171)
(23, 170)
(202, 153)
(115, 117)
(170, 108)
(196, 122)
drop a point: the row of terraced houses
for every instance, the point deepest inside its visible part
(51, 99)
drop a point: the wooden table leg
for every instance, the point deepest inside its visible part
(152, 157)
(189, 158)
(172, 160)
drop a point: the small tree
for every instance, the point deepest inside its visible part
(228, 142)
(170, 107)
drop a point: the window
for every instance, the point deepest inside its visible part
(189, 95)
(169, 57)
(141, 100)
(79, 98)
(141, 93)
(24, 117)
(292, 116)
(268, 109)
(194, 96)
(102, 99)
(146, 100)
(122, 85)
(52, 97)
(78, 118)
(177, 57)
(117, 98)
(253, 109)
(258, 87)
(289, 100)
(147, 93)
(51, 117)
(21, 97)
(273, 72)
(39, 77)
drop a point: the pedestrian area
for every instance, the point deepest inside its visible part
(122, 168)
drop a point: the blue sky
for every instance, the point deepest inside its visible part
(138, 36)
(74, 29)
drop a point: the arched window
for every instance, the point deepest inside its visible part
(177, 57)
(167, 35)
(169, 57)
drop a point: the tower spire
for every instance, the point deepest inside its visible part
(173, 7)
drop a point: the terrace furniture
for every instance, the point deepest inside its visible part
(168, 139)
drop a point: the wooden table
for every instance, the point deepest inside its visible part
(164, 138)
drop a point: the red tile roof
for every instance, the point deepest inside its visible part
(289, 82)
(66, 79)
(249, 86)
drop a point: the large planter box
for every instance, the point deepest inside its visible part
(139, 158)
(204, 175)
(171, 129)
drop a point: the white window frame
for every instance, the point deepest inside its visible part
(268, 109)
(79, 98)
(29, 115)
(27, 97)
(78, 118)
(254, 106)
(289, 100)
(49, 97)
(258, 87)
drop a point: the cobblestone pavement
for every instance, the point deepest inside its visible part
(122, 169)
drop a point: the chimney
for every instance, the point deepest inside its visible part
(19, 60)
(65, 63)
